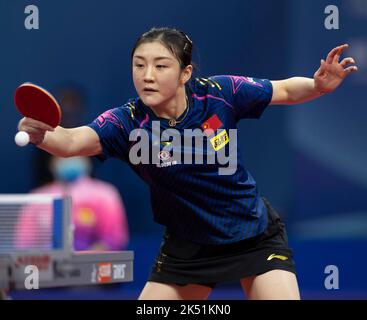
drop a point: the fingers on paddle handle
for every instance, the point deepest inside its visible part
(22, 138)
(26, 122)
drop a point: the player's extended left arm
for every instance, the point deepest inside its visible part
(326, 79)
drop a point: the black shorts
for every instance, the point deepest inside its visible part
(182, 262)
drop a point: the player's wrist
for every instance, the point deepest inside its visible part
(318, 89)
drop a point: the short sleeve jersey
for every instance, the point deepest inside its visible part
(194, 199)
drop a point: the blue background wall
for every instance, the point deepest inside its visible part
(309, 160)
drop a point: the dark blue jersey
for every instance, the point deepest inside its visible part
(194, 200)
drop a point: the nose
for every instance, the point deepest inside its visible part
(149, 74)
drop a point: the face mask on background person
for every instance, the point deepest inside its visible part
(70, 169)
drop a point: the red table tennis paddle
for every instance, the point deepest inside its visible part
(37, 103)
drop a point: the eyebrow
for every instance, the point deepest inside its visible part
(157, 58)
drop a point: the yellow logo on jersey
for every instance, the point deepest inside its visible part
(220, 140)
(86, 217)
(272, 256)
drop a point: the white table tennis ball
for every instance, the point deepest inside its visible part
(22, 138)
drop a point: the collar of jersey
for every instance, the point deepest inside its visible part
(165, 120)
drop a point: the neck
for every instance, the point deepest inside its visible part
(174, 108)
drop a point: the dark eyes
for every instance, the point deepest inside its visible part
(160, 66)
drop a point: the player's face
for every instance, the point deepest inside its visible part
(157, 74)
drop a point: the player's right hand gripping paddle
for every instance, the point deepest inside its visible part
(35, 102)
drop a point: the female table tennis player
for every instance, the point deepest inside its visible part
(218, 227)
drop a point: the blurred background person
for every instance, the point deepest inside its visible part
(98, 212)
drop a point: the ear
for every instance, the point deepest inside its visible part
(186, 74)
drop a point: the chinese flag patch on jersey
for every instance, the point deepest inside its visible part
(213, 123)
